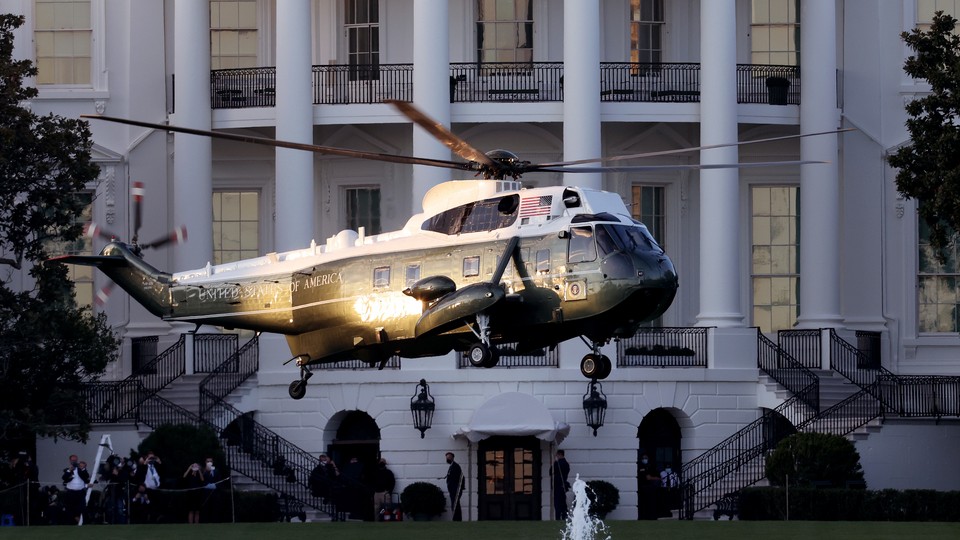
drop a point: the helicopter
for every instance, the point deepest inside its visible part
(487, 262)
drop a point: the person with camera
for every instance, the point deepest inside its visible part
(76, 478)
(193, 483)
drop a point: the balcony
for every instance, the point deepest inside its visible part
(620, 82)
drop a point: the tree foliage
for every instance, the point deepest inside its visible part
(809, 458)
(180, 445)
(49, 347)
(929, 167)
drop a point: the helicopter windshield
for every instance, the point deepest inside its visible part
(630, 238)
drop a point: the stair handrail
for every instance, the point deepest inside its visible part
(854, 366)
(701, 477)
(230, 374)
(838, 419)
(790, 373)
(165, 368)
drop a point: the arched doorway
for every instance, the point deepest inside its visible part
(355, 451)
(659, 438)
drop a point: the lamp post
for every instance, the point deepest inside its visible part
(594, 405)
(422, 406)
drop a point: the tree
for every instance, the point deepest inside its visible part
(929, 167)
(49, 347)
(808, 458)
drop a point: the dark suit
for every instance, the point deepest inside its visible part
(455, 485)
(561, 472)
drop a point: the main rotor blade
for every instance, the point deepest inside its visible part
(329, 150)
(459, 146)
(686, 150)
(178, 235)
(683, 167)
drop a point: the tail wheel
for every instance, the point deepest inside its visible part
(298, 389)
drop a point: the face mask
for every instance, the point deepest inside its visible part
(644, 461)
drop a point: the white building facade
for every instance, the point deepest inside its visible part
(827, 251)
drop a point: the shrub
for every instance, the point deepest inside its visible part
(814, 459)
(604, 497)
(423, 498)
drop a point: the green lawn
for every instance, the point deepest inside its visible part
(512, 530)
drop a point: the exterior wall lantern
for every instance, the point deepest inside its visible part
(594, 405)
(422, 406)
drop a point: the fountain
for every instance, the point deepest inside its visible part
(581, 525)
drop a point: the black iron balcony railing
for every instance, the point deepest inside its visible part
(509, 357)
(210, 350)
(664, 347)
(472, 82)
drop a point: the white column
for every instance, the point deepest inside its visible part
(581, 88)
(192, 165)
(719, 188)
(819, 183)
(431, 91)
(294, 110)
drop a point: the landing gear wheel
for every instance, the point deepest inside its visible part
(479, 355)
(494, 358)
(298, 389)
(606, 366)
(590, 366)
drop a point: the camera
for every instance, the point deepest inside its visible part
(74, 464)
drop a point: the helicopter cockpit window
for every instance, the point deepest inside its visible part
(471, 266)
(381, 276)
(634, 238)
(486, 215)
(582, 246)
(606, 240)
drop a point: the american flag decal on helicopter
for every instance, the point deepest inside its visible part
(535, 206)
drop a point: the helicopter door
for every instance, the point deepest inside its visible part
(582, 249)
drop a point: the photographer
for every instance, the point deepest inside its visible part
(76, 478)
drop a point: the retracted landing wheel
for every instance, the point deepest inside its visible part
(606, 366)
(481, 355)
(590, 366)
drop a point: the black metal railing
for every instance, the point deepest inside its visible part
(230, 374)
(165, 368)
(793, 376)
(392, 363)
(846, 416)
(472, 82)
(737, 461)
(664, 347)
(852, 364)
(509, 357)
(210, 350)
(112, 402)
(803, 345)
(920, 396)
(869, 345)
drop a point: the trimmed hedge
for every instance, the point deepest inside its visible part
(808, 504)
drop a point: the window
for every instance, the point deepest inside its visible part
(362, 24)
(233, 34)
(648, 208)
(504, 31)
(543, 261)
(363, 209)
(471, 266)
(582, 247)
(775, 32)
(486, 215)
(82, 276)
(775, 220)
(381, 277)
(236, 225)
(646, 31)
(937, 292)
(926, 9)
(411, 275)
(63, 36)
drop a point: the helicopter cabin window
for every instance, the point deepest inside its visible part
(543, 261)
(82, 276)
(236, 225)
(411, 274)
(582, 248)
(505, 33)
(471, 266)
(63, 38)
(363, 209)
(362, 26)
(477, 216)
(233, 34)
(381, 277)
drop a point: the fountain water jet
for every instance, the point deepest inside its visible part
(581, 525)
